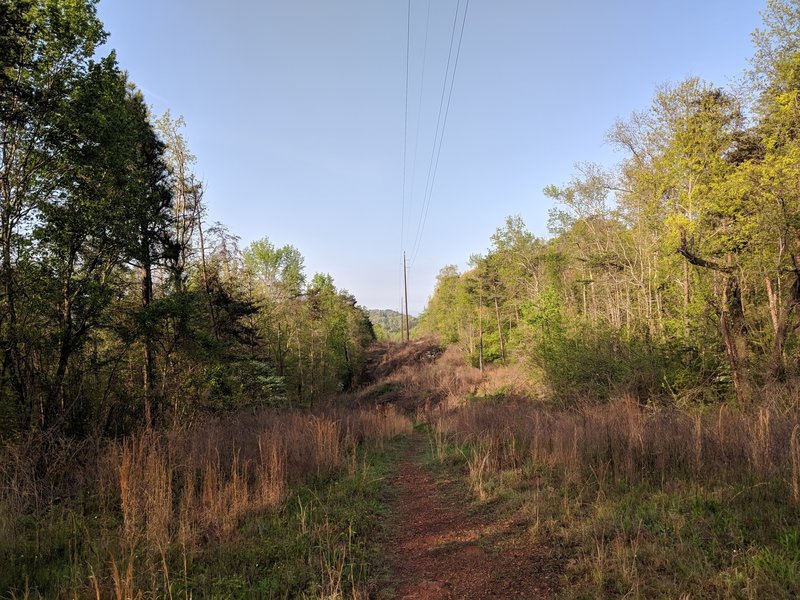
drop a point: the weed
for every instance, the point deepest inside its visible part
(185, 513)
(478, 464)
(648, 502)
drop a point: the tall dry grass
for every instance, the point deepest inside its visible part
(174, 493)
(420, 375)
(643, 502)
(625, 440)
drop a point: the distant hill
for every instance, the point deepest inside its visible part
(390, 321)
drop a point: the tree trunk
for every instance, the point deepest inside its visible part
(734, 335)
(781, 322)
(500, 330)
(151, 408)
(480, 332)
(686, 275)
(55, 394)
(204, 273)
(11, 363)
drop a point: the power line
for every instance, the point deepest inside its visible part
(405, 146)
(405, 129)
(435, 164)
(438, 138)
(436, 151)
(438, 125)
(419, 104)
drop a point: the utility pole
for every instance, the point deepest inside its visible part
(402, 321)
(405, 291)
(480, 326)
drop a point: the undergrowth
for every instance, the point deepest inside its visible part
(272, 505)
(640, 502)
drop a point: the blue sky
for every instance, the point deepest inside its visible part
(295, 110)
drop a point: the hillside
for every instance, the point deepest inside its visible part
(390, 321)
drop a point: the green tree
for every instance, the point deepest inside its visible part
(151, 213)
(46, 52)
(279, 284)
(83, 232)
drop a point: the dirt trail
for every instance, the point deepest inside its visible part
(440, 548)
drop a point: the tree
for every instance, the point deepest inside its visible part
(46, 52)
(84, 231)
(280, 282)
(151, 212)
(187, 193)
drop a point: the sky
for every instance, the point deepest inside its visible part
(296, 111)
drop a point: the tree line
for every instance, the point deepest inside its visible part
(390, 324)
(674, 273)
(120, 306)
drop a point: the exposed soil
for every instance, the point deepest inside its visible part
(442, 547)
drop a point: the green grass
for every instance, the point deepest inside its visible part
(321, 542)
(685, 538)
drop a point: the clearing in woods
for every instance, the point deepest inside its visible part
(441, 544)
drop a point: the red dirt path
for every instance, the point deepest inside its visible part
(439, 548)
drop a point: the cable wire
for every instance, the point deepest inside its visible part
(405, 129)
(438, 126)
(419, 108)
(436, 150)
(405, 142)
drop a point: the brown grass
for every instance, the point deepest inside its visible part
(418, 376)
(234, 468)
(180, 491)
(624, 440)
(640, 501)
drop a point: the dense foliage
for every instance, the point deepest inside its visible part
(391, 324)
(119, 306)
(674, 273)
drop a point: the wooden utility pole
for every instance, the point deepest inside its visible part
(405, 293)
(480, 326)
(402, 321)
